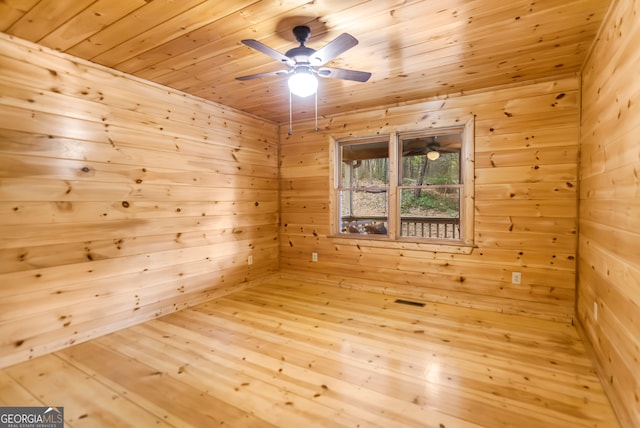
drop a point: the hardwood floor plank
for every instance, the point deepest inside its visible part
(298, 369)
(87, 402)
(186, 402)
(397, 355)
(295, 353)
(14, 394)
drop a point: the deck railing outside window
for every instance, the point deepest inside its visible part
(418, 227)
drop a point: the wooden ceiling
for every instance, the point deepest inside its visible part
(415, 49)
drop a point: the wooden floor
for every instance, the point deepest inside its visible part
(293, 354)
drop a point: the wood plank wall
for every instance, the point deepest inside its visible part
(526, 204)
(609, 244)
(121, 200)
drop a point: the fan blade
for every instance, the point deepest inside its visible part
(268, 51)
(339, 73)
(332, 49)
(260, 75)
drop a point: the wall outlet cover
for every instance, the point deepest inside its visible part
(516, 277)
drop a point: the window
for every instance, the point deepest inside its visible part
(405, 186)
(364, 186)
(430, 185)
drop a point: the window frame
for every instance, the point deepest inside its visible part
(393, 238)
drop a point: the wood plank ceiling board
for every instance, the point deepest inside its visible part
(414, 50)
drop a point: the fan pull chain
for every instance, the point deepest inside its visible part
(291, 114)
(290, 121)
(316, 111)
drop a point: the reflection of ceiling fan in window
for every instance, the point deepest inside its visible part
(433, 150)
(432, 145)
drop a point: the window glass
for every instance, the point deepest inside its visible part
(430, 185)
(364, 187)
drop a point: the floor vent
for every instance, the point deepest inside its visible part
(409, 302)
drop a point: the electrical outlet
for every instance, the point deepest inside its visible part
(516, 277)
(250, 260)
(595, 311)
(314, 257)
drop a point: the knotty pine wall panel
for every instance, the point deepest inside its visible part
(609, 240)
(121, 200)
(526, 151)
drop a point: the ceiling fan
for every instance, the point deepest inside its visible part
(303, 63)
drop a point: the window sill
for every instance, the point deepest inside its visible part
(455, 247)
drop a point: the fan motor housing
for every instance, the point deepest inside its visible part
(300, 54)
(302, 33)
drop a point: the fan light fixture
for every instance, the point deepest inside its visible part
(303, 83)
(303, 65)
(433, 153)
